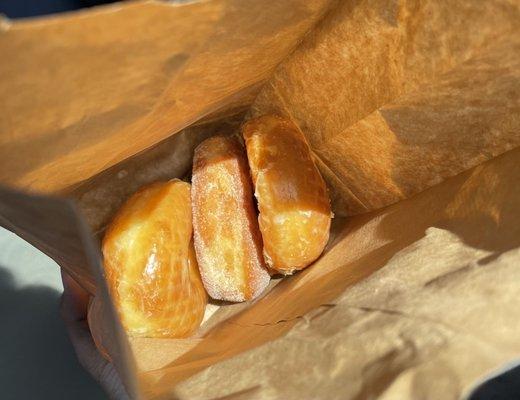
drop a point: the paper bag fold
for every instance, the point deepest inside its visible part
(406, 102)
(74, 89)
(393, 96)
(442, 307)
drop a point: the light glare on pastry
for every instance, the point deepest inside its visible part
(227, 239)
(292, 197)
(150, 263)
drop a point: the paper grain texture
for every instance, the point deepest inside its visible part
(412, 110)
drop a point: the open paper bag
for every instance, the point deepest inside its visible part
(412, 111)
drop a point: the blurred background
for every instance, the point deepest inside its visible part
(37, 360)
(31, 8)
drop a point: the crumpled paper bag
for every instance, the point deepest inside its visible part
(438, 313)
(407, 103)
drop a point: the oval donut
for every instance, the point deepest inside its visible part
(227, 239)
(150, 263)
(294, 206)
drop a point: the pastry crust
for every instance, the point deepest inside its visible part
(292, 197)
(227, 239)
(150, 263)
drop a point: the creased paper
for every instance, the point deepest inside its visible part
(412, 112)
(394, 95)
(143, 70)
(441, 308)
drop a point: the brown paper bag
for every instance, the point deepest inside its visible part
(412, 112)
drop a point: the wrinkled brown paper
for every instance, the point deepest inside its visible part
(409, 103)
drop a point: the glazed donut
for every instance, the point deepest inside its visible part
(292, 197)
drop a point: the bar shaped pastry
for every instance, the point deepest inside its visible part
(227, 239)
(150, 263)
(294, 206)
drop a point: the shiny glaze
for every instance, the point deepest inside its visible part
(150, 263)
(292, 197)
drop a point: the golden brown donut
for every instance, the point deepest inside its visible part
(227, 240)
(292, 197)
(150, 263)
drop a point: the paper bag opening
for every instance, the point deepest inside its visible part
(394, 98)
